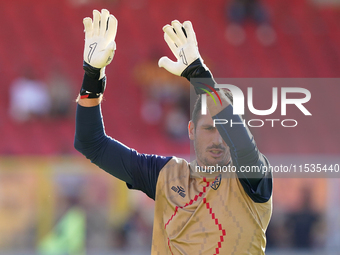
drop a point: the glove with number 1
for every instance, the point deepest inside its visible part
(181, 39)
(99, 49)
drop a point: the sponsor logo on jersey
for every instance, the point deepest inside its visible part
(180, 190)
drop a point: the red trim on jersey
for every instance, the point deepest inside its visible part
(219, 244)
(169, 246)
(190, 202)
(213, 217)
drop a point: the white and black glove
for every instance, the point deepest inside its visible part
(99, 49)
(182, 41)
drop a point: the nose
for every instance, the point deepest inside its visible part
(217, 139)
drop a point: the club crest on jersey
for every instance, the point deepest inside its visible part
(180, 190)
(216, 184)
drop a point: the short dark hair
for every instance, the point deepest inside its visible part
(198, 105)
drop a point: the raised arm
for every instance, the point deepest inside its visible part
(139, 171)
(182, 41)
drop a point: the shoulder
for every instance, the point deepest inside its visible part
(175, 168)
(175, 165)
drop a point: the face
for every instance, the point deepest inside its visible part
(210, 148)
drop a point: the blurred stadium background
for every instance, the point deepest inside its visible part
(53, 201)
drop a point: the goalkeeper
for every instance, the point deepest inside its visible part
(195, 212)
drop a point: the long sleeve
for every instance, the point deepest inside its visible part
(139, 171)
(244, 152)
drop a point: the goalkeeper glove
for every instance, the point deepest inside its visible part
(182, 41)
(99, 49)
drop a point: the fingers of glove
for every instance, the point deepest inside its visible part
(169, 65)
(169, 30)
(179, 32)
(88, 28)
(162, 60)
(96, 20)
(171, 45)
(190, 32)
(103, 21)
(112, 28)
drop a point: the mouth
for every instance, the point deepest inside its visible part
(216, 153)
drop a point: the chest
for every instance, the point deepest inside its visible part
(199, 209)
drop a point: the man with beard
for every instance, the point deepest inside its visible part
(196, 212)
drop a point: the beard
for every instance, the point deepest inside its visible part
(202, 154)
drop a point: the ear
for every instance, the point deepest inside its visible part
(191, 130)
